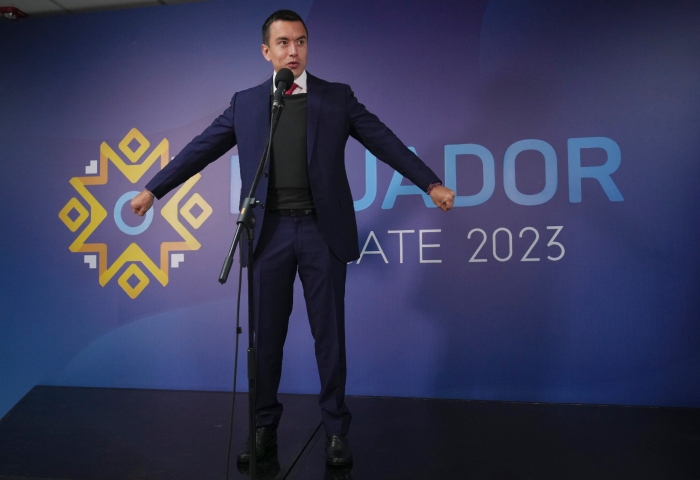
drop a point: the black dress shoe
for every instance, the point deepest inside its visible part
(338, 452)
(265, 442)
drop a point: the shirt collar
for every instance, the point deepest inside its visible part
(301, 83)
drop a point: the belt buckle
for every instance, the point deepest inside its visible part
(300, 212)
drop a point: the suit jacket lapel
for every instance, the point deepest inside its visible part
(316, 88)
(262, 105)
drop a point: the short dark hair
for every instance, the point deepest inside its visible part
(284, 15)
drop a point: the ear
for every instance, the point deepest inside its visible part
(265, 51)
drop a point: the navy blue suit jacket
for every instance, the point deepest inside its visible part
(333, 114)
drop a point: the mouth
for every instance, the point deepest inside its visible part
(293, 65)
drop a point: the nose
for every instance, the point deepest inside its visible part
(293, 50)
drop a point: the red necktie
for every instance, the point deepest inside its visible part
(291, 89)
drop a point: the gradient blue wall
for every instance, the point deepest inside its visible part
(569, 130)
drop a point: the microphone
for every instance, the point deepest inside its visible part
(283, 80)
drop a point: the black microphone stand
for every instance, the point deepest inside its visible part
(246, 221)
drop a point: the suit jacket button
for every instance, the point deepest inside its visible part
(266, 175)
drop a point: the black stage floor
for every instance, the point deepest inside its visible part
(67, 433)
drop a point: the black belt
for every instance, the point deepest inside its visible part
(294, 212)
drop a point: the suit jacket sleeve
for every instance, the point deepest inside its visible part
(211, 144)
(376, 137)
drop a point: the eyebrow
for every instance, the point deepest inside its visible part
(303, 37)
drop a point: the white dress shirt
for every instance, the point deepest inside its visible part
(301, 83)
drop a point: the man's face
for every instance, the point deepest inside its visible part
(287, 47)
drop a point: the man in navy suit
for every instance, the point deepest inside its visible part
(309, 223)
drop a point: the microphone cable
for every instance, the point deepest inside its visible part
(283, 79)
(235, 369)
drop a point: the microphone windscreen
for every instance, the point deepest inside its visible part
(284, 75)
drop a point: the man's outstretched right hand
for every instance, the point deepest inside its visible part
(142, 202)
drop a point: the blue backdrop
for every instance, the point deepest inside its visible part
(567, 272)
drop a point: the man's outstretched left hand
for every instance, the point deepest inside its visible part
(443, 197)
